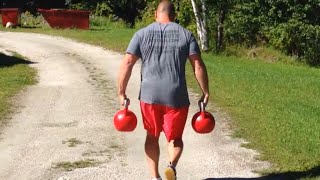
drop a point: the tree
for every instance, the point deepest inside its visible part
(219, 10)
(289, 25)
(201, 20)
(32, 5)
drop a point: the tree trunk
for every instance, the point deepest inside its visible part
(220, 31)
(201, 24)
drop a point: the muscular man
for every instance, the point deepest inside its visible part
(163, 47)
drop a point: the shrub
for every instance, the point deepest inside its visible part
(33, 20)
(298, 39)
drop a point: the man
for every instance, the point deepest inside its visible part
(163, 48)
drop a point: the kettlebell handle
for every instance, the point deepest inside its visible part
(126, 102)
(202, 106)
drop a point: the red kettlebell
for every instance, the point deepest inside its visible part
(125, 120)
(203, 122)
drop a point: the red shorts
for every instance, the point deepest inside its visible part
(157, 118)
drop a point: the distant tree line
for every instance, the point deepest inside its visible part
(293, 26)
(128, 10)
(32, 4)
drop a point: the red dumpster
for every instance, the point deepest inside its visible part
(10, 15)
(62, 18)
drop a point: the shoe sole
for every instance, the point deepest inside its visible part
(169, 174)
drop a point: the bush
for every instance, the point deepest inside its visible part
(298, 39)
(311, 39)
(287, 25)
(243, 25)
(106, 22)
(33, 20)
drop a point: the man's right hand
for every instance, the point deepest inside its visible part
(204, 99)
(122, 98)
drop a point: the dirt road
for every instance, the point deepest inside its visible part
(65, 122)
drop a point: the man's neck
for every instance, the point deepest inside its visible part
(163, 20)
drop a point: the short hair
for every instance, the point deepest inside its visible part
(167, 7)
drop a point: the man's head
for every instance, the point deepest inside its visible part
(165, 12)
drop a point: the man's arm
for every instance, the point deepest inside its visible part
(124, 75)
(201, 75)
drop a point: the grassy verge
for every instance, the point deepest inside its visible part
(275, 106)
(15, 74)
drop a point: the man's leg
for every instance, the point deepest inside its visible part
(152, 153)
(175, 148)
(174, 123)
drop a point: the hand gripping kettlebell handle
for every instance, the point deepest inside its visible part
(202, 106)
(126, 102)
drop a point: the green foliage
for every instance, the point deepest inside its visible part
(298, 39)
(128, 10)
(290, 25)
(312, 45)
(102, 9)
(243, 24)
(184, 14)
(148, 15)
(30, 20)
(78, 6)
(105, 23)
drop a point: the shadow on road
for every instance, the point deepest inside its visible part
(311, 173)
(8, 61)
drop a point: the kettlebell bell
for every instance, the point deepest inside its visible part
(125, 120)
(203, 122)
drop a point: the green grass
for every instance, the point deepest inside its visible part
(15, 74)
(111, 38)
(261, 53)
(274, 105)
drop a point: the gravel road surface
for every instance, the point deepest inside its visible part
(64, 122)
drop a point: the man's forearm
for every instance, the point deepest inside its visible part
(123, 81)
(202, 78)
(124, 76)
(201, 75)
(125, 73)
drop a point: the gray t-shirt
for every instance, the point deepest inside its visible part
(163, 49)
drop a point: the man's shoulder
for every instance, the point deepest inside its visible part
(151, 26)
(146, 28)
(155, 26)
(181, 28)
